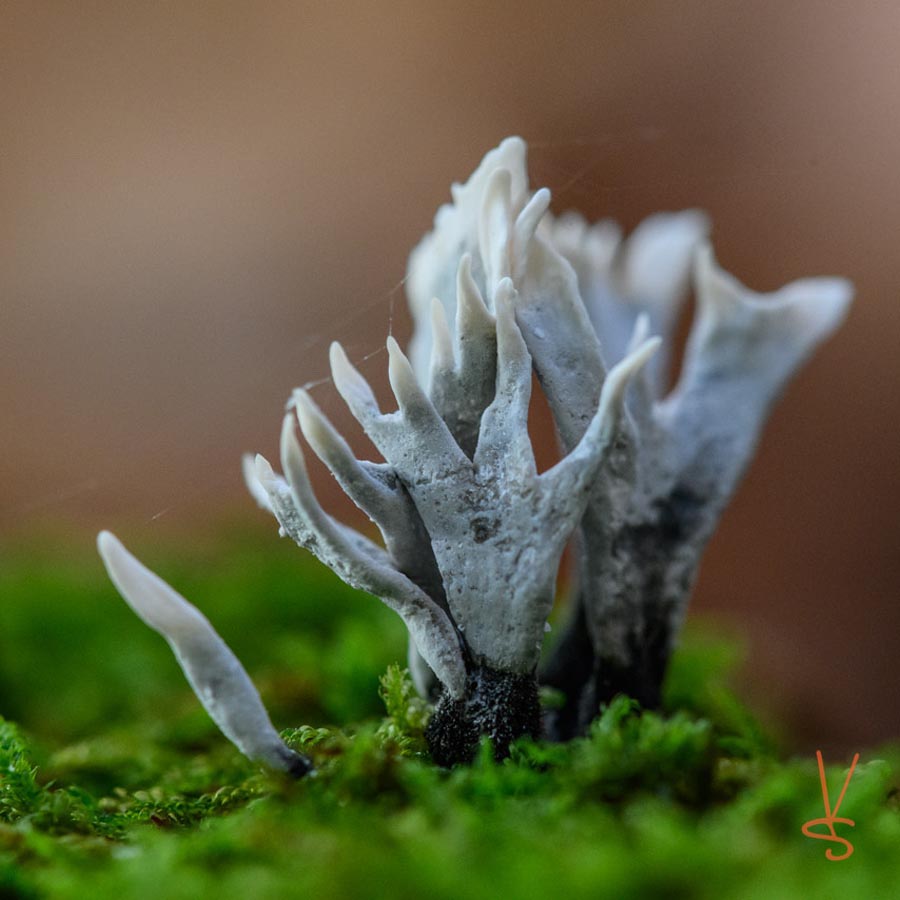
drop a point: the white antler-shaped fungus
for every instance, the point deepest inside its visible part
(472, 533)
(585, 297)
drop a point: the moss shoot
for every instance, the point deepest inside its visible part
(114, 784)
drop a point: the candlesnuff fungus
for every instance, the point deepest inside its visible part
(214, 672)
(472, 534)
(497, 528)
(584, 298)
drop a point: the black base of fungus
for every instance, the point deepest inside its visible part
(568, 670)
(500, 705)
(589, 683)
(300, 767)
(295, 764)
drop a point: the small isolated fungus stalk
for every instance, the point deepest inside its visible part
(472, 534)
(213, 671)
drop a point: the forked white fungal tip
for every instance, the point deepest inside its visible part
(817, 305)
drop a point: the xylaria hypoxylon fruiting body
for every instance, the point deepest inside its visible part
(472, 534)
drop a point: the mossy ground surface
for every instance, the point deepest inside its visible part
(113, 783)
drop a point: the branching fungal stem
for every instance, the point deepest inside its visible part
(472, 534)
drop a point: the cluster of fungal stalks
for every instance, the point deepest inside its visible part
(472, 534)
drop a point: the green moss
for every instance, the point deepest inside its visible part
(113, 783)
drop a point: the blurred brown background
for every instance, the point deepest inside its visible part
(195, 198)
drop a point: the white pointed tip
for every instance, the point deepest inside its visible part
(472, 314)
(621, 374)
(530, 217)
(264, 471)
(310, 418)
(108, 546)
(642, 354)
(640, 333)
(154, 601)
(402, 378)
(320, 434)
(507, 329)
(337, 356)
(442, 348)
(542, 197)
(344, 374)
(513, 142)
(500, 181)
(306, 408)
(252, 483)
(214, 672)
(110, 549)
(293, 464)
(350, 383)
(302, 400)
(116, 558)
(639, 357)
(823, 302)
(397, 362)
(505, 293)
(289, 445)
(503, 305)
